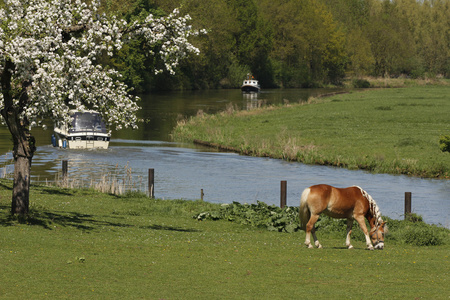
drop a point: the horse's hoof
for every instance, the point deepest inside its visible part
(310, 246)
(350, 247)
(370, 248)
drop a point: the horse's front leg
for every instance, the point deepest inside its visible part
(316, 241)
(310, 228)
(349, 231)
(362, 224)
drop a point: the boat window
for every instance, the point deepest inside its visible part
(87, 122)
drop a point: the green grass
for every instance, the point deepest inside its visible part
(81, 244)
(394, 131)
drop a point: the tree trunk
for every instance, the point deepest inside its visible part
(24, 142)
(23, 151)
(21, 188)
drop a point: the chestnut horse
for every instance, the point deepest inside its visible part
(347, 203)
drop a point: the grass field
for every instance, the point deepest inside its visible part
(394, 131)
(80, 244)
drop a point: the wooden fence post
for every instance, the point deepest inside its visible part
(64, 170)
(407, 204)
(283, 193)
(201, 194)
(151, 183)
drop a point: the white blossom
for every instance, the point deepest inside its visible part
(62, 69)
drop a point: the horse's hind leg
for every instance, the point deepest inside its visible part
(349, 231)
(310, 228)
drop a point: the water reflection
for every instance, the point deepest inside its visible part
(253, 102)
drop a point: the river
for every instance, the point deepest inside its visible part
(183, 170)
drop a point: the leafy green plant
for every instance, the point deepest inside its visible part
(422, 235)
(257, 215)
(413, 231)
(361, 84)
(415, 218)
(444, 143)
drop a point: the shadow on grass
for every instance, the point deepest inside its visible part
(50, 220)
(6, 187)
(57, 192)
(169, 228)
(85, 222)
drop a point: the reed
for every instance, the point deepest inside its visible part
(118, 182)
(4, 172)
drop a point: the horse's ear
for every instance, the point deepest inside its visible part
(384, 226)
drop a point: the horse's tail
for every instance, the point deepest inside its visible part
(304, 212)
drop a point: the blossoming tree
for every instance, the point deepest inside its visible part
(48, 65)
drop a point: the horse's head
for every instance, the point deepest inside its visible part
(377, 235)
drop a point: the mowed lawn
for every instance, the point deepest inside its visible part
(80, 244)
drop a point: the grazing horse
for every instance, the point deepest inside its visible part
(348, 203)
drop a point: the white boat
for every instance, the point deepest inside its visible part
(250, 85)
(87, 131)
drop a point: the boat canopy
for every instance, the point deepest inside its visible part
(87, 121)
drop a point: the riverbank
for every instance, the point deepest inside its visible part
(77, 243)
(394, 131)
(398, 82)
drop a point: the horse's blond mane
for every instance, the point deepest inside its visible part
(373, 207)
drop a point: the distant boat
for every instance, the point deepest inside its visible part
(250, 85)
(87, 131)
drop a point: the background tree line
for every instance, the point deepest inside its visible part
(291, 43)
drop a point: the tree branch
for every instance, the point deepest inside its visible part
(6, 83)
(67, 32)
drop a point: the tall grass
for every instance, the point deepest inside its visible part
(399, 82)
(394, 131)
(118, 182)
(5, 171)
